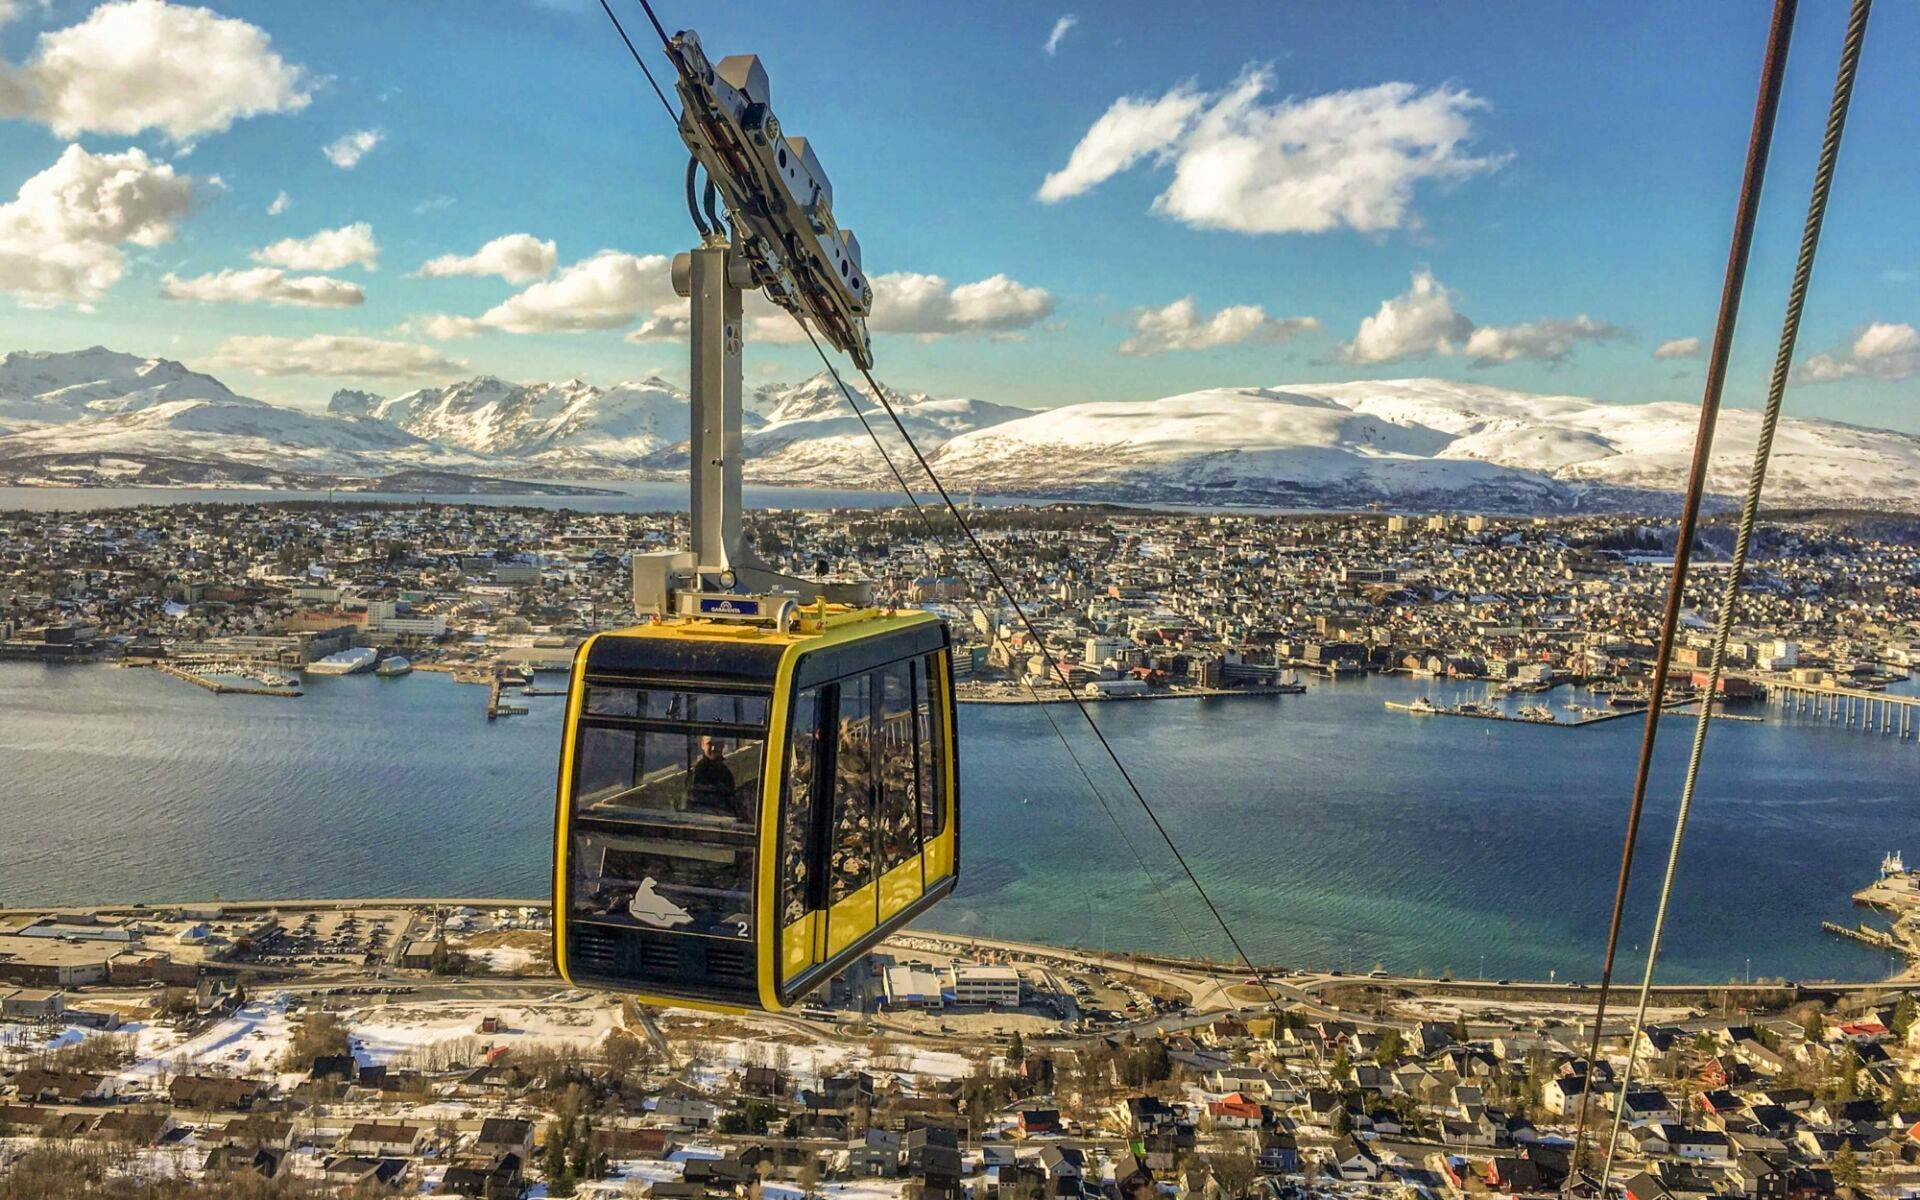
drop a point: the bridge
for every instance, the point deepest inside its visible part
(1896, 716)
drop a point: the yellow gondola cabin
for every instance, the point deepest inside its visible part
(745, 810)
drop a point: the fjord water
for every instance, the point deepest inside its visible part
(1331, 831)
(623, 496)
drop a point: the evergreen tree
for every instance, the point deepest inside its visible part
(1391, 1043)
(1159, 1064)
(580, 1156)
(1342, 1068)
(1846, 1167)
(1903, 1015)
(553, 1160)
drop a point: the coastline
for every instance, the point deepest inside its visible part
(1905, 975)
(961, 697)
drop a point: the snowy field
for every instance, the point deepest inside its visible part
(390, 1031)
(723, 1055)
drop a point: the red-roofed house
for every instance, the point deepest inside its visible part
(1234, 1111)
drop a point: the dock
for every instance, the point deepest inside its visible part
(1875, 712)
(217, 687)
(1589, 716)
(1879, 939)
(497, 707)
(1894, 894)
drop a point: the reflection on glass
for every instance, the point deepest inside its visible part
(675, 776)
(931, 729)
(852, 864)
(898, 810)
(796, 836)
(664, 883)
(705, 769)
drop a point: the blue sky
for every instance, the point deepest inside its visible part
(1542, 204)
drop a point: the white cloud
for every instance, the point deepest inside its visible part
(1883, 350)
(601, 292)
(441, 327)
(281, 203)
(145, 64)
(327, 250)
(348, 149)
(1180, 326)
(907, 302)
(270, 285)
(766, 322)
(1127, 132)
(1882, 341)
(1423, 321)
(1241, 162)
(516, 258)
(904, 302)
(662, 327)
(613, 288)
(1545, 340)
(60, 237)
(1686, 347)
(331, 354)
(1060, 27)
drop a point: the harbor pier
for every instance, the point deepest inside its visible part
(1879, 712)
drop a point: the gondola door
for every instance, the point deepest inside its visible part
(802, 830)
(896, 807)
(851, 904)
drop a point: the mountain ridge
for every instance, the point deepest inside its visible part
(1415, 442)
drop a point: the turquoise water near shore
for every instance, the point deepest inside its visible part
(1331, 831)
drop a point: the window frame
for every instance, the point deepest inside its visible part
(914, 783)
(945, 751)
(824, 850)
(741, 837)
(941, 744)
(642, 725)
(826, 701)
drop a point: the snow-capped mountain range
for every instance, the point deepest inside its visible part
(96, 416)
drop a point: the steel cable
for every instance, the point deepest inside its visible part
(879, 395)
(1746, 212)
(1749, 513)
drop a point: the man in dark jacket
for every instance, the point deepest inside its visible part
(710, 787)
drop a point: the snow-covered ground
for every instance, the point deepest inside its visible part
(723, 1056)
(249, 1042)
(1418, 442)
(1412, 437)
(389, 1031)
(507, 960)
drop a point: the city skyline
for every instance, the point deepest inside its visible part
(1055, 206)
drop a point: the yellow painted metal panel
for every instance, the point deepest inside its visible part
(576, 693)
(797, 946)
(899, 887)
(849, 920)
(939, 855)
